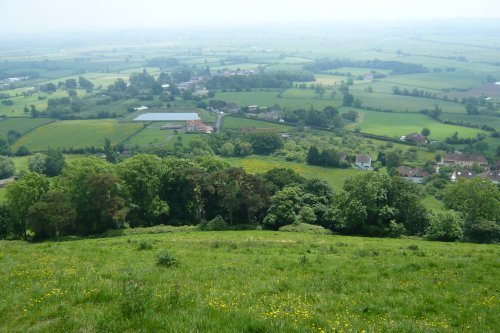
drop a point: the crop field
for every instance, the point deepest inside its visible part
(255, 164)
(249, 281)
(77, 134)
(237, 122)
(22, 125)
(399, 124)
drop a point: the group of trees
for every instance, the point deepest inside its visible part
(397, 67)
(328, 117)
(277, 79)
(327, 158)
(92, 196)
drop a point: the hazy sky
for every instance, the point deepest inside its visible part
(66, 15)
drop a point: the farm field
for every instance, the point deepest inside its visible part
(77, 134)
(149, 137)
(399, 124)
(257, 164)
(19, 102)
(400, 103)
(269, 98)
(237, 122)
(299, 283)
(22, 125)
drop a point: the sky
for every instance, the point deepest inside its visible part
(33, 16)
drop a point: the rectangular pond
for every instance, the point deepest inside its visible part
(171, 116)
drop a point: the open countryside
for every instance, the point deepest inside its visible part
(317, 177)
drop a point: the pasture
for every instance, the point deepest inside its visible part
(395, 125)
(248, 281)
(150, 137)
(238, 122)
(77, 134)
(22, 125)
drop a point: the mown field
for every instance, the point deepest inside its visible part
(237, 122)
(22, 125)
(399, 124)
(249, 281)
(77, 134)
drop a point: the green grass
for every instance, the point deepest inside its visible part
(237, 122)
(400, 103)
(17, 109)
(22, 125)
(149, 136)
(269, 98)
(77, 134)
(249, 281)
(258, 164)
(399, 124)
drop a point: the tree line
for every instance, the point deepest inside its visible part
(92, 196)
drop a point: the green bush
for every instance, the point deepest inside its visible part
(165, 259)
(483, 231)
(145, 245)
(445, 226)
(216, 224)
(306, 228)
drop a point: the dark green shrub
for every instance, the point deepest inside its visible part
(216, 224)
(145, 245)
(165, 259)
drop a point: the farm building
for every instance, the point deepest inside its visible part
(363, 162)
(463, 160)
(196, 126)
(141, 108)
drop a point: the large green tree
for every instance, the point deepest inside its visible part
(479, 202)
(52, 216)
(21, 195)
(7, 168)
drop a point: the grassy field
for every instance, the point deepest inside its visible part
(404, 103)
(256, 164)
(77, 134)
(22, 125)
(237, 122)
(149, 136)
(399, 124)
(17, 109)
(249, 281)
(269, 98)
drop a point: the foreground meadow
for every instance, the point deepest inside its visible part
(248, 281)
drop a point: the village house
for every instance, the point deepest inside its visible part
(415, 175)
(462, 174)
(464, 160)
(363, 162)
(196, 126)
(494, 176)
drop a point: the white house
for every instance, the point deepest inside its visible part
(363, 162)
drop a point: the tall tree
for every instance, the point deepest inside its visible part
(21, 195)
